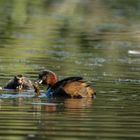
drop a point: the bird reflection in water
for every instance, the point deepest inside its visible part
(39, 105)
(78, 103)
(51, 106)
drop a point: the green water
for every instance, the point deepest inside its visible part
(96, 39)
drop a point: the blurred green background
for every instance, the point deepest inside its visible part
(33, 32)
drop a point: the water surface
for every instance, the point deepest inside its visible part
(98, 40)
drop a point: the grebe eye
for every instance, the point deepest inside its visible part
(44, 77)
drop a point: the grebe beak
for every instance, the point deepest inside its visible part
(39, 81)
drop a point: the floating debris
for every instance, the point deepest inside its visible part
(134, 52)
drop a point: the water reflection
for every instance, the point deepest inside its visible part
(78, 103)
(48, 105)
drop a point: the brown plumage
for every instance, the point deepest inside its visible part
(74, 87)
(78, 89)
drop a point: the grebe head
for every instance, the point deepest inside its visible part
(47, 77)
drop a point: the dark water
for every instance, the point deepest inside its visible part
(99, 40)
